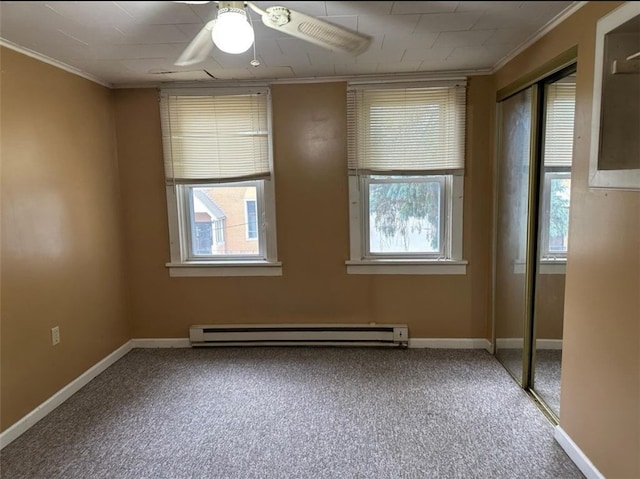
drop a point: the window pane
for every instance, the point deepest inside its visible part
(252, 219)
(203, 236)
(222, 222)
(405, 217)
(559, 214)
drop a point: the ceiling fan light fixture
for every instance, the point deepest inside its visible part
(232, 32)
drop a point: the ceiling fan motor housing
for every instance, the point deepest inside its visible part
(230, 10)
(231, 5)
(278, 16)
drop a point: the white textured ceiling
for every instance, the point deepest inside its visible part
(129, 43)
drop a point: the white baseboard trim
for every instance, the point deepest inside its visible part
(436, 343)
(549, 344)
(509, 343)
(450, 343)
(517, 343)
(160, 343)
(576, 455)
(16, 430)
(491, 349)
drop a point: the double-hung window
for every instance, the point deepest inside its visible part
(556, 181)
(219, 181)
(406, 171)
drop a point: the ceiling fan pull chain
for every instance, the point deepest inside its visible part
(255, 62)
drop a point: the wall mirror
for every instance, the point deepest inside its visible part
(615, 134)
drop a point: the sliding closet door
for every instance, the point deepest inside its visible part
(553, 232)
(511, 306)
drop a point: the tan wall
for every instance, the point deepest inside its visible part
(601, 358)
(309, 127)
(549, 306)
(61, 231)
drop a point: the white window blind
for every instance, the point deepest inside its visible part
(215, 138)
(558, 137)
(406, 129)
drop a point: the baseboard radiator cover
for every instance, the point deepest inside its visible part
(392, 335)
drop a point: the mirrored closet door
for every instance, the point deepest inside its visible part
(553, 233)
(512, 213)
(533, 185)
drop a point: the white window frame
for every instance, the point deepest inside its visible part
(550, 262)
(182, 263)
(545, 253)
(450, 262)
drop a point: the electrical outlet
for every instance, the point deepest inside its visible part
(55, 335)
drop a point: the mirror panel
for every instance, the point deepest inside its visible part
(553, 232)
(512, 203)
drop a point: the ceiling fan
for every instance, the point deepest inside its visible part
(232, 31)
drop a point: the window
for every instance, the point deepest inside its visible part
(556, 215)
(251, 216)
(218, 169)
(404, 215)
(557, 156)
(406, 169)
(218, 232)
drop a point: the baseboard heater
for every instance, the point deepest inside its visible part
(300, 335)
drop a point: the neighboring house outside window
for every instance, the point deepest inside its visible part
(209, 220)
(232, 200)
(406, 170)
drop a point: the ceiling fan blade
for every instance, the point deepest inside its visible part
(314, 30)
(199, 48)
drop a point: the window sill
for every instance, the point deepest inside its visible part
(546, 266)
(553, 266)
(220, 268)
(417, 267)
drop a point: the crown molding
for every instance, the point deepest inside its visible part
(555, 21)
(390, 77)
(53, 62)
(383, 78)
